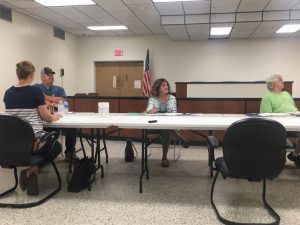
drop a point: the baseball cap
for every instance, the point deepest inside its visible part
(47, 70)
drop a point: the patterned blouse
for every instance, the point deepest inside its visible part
(170, 106)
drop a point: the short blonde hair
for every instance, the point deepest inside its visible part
(272, 79)
(24, 69)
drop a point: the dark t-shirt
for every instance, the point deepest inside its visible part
(23, 102)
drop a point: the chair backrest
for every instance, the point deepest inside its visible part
(80, 94)
(16, 141)
(254, 148)
(93, 94)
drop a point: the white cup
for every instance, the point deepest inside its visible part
(103, 108)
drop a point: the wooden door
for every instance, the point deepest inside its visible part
(131, 78)
(119, 78)
(106, 79)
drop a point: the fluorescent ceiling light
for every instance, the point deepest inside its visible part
(220, 30)
(176, 0)
(65, 2)
(289, 28)
(107, 28)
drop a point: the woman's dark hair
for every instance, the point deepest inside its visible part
(156, 87)
(24, 69)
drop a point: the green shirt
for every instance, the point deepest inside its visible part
(277, 103)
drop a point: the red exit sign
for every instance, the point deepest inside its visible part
(118, 52)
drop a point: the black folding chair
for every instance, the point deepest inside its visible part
(253, 149)
(16, 141)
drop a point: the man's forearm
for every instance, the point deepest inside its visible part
(53, 99)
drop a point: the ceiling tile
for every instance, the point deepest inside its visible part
(297, 6)
(247, 17)
(295, 15)
(191, 19)
(281, 4)
(64, 10)
(176, 32)
(44, 12)
(224, 6)
(276, 15)
(22, 3)
(92, 11)
(156, 29)
(112, 5)
(243, 30)
(172, 20)
(198, 31)
(252, 5)
(174, 8)
(267, 29)
(222, 17)
(137, 1)
(196, 7)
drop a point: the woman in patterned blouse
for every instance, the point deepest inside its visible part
(161, 101)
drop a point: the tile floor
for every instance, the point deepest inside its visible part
(175, 195)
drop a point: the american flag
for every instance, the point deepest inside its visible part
(146, 79)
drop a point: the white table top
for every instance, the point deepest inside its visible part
(81, 120)
(184, 122)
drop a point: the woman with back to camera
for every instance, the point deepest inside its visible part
(28, 102)
(161, 101)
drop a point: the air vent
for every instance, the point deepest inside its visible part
(59, 33)
(5, 13)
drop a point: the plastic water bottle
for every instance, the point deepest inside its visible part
(60, 108)
(66, 107)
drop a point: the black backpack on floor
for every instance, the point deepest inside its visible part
(129, 151)
(83, 175)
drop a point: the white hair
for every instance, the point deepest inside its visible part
(272, 79)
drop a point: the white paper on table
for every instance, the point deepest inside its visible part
(274, 114)
(295, 113)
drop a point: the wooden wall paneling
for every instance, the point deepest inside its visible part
(85, 105)
(288, 86)
(71, 104)
(252, 106)
(132, 105)
(211, 106)
(297, 101)
(181, 90)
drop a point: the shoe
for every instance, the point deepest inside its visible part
(295, 159)
(165, 163)
(23, 180)
(32, 185)
(185, 144)
(69, 155)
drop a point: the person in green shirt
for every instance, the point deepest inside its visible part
(279, 101)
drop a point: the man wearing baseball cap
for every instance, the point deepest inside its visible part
(54, 94)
